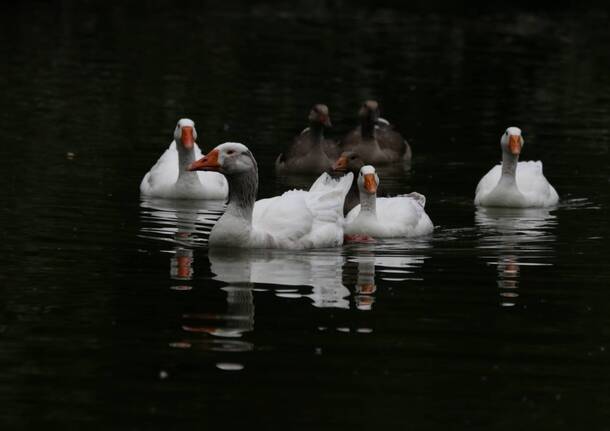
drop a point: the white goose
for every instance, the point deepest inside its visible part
(515, 184)
(169, 178)
(398, 216)
(295, 220)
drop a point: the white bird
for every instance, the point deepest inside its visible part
(398, 216)
(169, 178)
(297, 219)
(515, 184)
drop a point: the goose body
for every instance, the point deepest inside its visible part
(515, 184)
(169, 178)
(310, 152)
(398, 216)
(297, 219)
(375, 139)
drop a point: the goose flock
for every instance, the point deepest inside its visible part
(342, 204)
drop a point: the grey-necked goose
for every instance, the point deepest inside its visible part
(295, 220)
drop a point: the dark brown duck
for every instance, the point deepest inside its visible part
(310, 152)
(375, 140)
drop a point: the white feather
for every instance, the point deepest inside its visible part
(399, 216)
(533, 189)
(161, 180)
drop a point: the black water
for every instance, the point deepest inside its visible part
(113, 314)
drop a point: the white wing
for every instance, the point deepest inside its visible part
(300, 219)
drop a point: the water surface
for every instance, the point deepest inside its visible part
(114, 314)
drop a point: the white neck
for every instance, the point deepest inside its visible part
(185, 158)
(506, 191)
(368, 203)
(509, 167)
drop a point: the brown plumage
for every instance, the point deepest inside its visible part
(375, 139)
(310, 152)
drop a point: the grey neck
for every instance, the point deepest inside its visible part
(509, 166)
(243, 188)
(367, 127)
(316, 131)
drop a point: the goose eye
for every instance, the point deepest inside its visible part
(231, 152)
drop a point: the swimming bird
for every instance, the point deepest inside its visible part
(375, 139)
(397, 216)
(350, 161)
(169, 178)
(515, 184)
(310, 152)
(297, 219)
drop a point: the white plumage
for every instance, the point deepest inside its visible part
(302, 219)
(297, 219)
(515, 184)
(398, 216)
(169, 179)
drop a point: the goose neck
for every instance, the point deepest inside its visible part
(368, 203)
(367, 128)
(185, 158)
(509, 166)
(243, 188)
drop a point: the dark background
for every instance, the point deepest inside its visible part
(88, 318)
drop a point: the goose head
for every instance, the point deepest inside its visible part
(230, 158)
(185, 134)
(369, 112)
(368, 181)
(512, 141)
(319, 115)
(349, 161)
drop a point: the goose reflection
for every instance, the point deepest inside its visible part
(393, 261)
(181, 223)
(318, 271)
(184, 224)
(233, 323)
(514, 238)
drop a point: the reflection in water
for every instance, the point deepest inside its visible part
(388, 259)
(320, 271)
(515, 237)
(237, 319)
(181, 264)
(185, 224)
(180, 222)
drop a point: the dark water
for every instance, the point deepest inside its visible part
(113, 314)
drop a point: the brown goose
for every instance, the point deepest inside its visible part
(375, 139)
(310, 152)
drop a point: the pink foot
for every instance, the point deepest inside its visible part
(358, 238)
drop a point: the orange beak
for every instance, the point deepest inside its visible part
(186, 138)
(514, 144)
(184, 267)
(325, 119)
(209, 162)
(340, 164)
(369, 183)
(367, 288)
